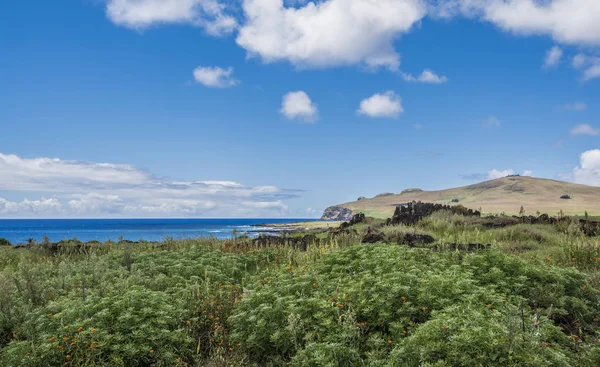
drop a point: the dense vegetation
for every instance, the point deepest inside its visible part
(531, 300)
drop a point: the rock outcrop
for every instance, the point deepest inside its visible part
(296, 242)
(411, 213)
(373, 235)
(337, 212)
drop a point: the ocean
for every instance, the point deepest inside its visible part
(19, 230)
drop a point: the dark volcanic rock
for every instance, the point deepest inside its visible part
(414, 239)
(372, 235)
(357, 218)
(411, 213)
(337, 212)
(297, 243)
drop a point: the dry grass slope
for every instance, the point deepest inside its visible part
(506, 195)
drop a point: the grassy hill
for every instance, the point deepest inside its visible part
(506, 195)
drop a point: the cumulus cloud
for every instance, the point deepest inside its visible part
(427, 76)
(387, 104)
(553, 57)
(297, 105)
(572, 22)
(491, 121)
(585, 129)
(140, 14)
(575, 106)
(588, 171)
(215, 76)
(328, 33)
(75, 188)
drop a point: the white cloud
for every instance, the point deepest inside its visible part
(427, 76)
(387, 104)
(328, 33)
(579, 60)
(592, 72)
(553, 57)
(575, 106)
(585, 129)
(494, 174)
(215, 77)
(590, 66)
(297, 105)
(140, 14)
(574, 22)
(104, 189)
(588, 171)
(491, 121)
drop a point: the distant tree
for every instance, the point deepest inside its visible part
(5, 242)
(31, 241)
(522, 211)
(45, 241)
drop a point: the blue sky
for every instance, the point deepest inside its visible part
(212, 108)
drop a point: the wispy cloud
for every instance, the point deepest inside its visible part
(491, 121)
(552, 58)
(75, 188)
(575, 106)
(585, 129)
(427, 76)
(589, 64)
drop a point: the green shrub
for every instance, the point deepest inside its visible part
(360, 303)
(5, 242)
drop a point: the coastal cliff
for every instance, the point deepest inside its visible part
(337, 212)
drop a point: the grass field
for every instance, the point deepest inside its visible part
(531, 300)
(504, 195)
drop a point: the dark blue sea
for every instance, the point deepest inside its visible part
(19, 230)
